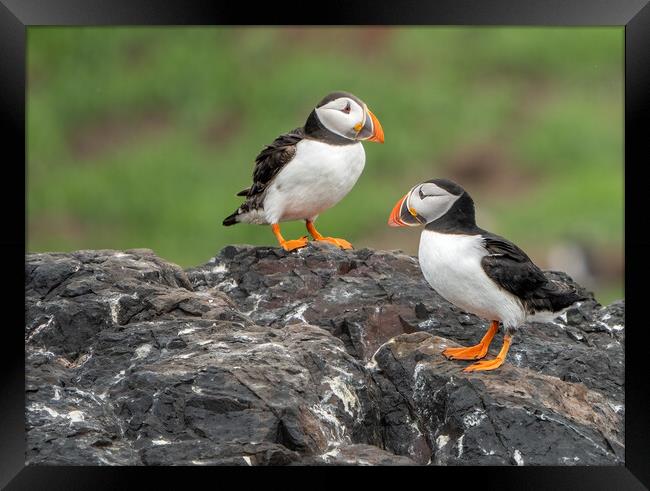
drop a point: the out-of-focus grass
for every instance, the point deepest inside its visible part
(140, 137)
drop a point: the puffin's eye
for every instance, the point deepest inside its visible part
(346, 109)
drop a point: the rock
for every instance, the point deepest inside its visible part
(321, 356)
(514, 416)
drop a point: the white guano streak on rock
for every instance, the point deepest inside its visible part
(187, 330)
(326, 412)
(373, 362)
(185, 356)
(418, 370)
(570, 460)
(617, 408)
(257, 298)
(219, 268)
(40, 407)
(346, 395)
(40, 328)
(114, 304)
(87, 394)
(432, 322)
(338, 294)
(474, 418)
(331, 454)
(441, 441)
(337, 431)
(345, 373)
(227, 285)
(459, 446)
(75, 416)
(72, 416)
(142, 351)
(298, 313)
(118, 378)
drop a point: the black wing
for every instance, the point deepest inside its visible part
(267, 165)
(510, 268)
(271, 160)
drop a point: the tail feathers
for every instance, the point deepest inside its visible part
(555, 297)
(231, 219)
(562, 300)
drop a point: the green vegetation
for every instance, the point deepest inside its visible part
(140, 137)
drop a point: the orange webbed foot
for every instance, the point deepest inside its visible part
(470, 353)
(292, 245)
(341, 243)
(473, 352)
(288, 245)
(484, 365)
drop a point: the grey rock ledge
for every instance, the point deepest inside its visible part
(322, 356)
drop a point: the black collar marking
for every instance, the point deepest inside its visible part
(315, 130)
(459, 219)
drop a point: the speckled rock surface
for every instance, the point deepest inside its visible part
(318, 357)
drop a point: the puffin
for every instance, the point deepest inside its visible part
(476, 270)
(310, 169)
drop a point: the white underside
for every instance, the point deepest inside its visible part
(451, 264)
(317, 178)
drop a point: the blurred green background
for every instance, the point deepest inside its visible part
(140, 137)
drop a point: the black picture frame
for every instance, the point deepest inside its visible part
(17, 15)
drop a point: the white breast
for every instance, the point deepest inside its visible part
(451, 264)
(318, 177)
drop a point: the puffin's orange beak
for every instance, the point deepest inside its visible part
(394, 219)
(378, 131)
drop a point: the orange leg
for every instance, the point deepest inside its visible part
(288, 245)
(473, 352)
(342, 243)
(492, 364)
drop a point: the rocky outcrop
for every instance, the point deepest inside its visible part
(321, 356)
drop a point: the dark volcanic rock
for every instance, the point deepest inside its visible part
(321, 356)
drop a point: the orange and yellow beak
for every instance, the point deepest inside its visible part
(394, 219)
(370, 129)
(378, 133)
(403, 216)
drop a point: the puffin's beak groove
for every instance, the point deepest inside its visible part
(378, 131)
(394, 219)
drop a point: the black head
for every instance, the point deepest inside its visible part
(434, 201)
(343, 118)
(332, 96)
